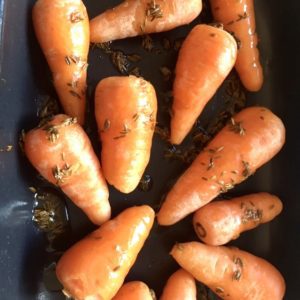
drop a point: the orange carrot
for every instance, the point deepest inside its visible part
(135, 290)
(231, 273)
(205, 59)
(126, 110)
(137, 17)
(95, 267)
(238, 17)
(62, 29)
(180, 286)
(221, 221)
(62, 153)
(250, 140)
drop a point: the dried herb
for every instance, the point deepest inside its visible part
(120, 61)
(166, 72)
(7, 148)
(200, 230)
(135, 71)
(76, 17)
(178, 44)
(123, 133)
(146, 183)
(115, 269)
(106, 125)
(105, 47)
(153, 11)
(163, 132)
(216, 150)
(211, 164)
(134, 57)
(166, 43)
(179, 246)
(242, 17)
(74, 94)
(225, 187)
(219, 290)
(252, 214)
(32, 189)
(246, 171)
(147, 43)
(237, 274)
(53, 130)
(62, 174)
(236, 127)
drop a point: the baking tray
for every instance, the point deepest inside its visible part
(25, 81)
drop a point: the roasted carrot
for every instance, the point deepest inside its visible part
(221, 221)
(135, 290)
(137, 17)
(95, 267)
(125, 110)
(250, 140)
(62, 153)
(62, 29)
(231, 273)
(205, 59)
(238, 18)
(180, 286)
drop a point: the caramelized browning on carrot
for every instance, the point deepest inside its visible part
(62, 153)
(180, 286)
(125, 110)
(135, 290)
(137, 17)
(205, 59)
(96, 267)
(221, 221)
(250, 140)
(229, 272)
(62, 29)
(238, 17)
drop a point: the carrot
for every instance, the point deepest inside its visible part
(221, 221)
(180, 286)
(125, 110)
(96, 266)
(62, 29)
(135, 290)
(229, 272)
(250, 140)
(62, 153)
(137, 17)
(238, 17)
(205, 59)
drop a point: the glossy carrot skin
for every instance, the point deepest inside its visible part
(221, 221)
(62, 153)
(180, 286)
(205, 59)
(238, 17)
(135, 290)
(231, 273)
(95, 267)
(236, 152)
(125, 109)
(62, 30)
(131, 18)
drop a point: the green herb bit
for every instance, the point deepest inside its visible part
(237, 127)
(153, 11)
(76, 17)
(246, 171)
